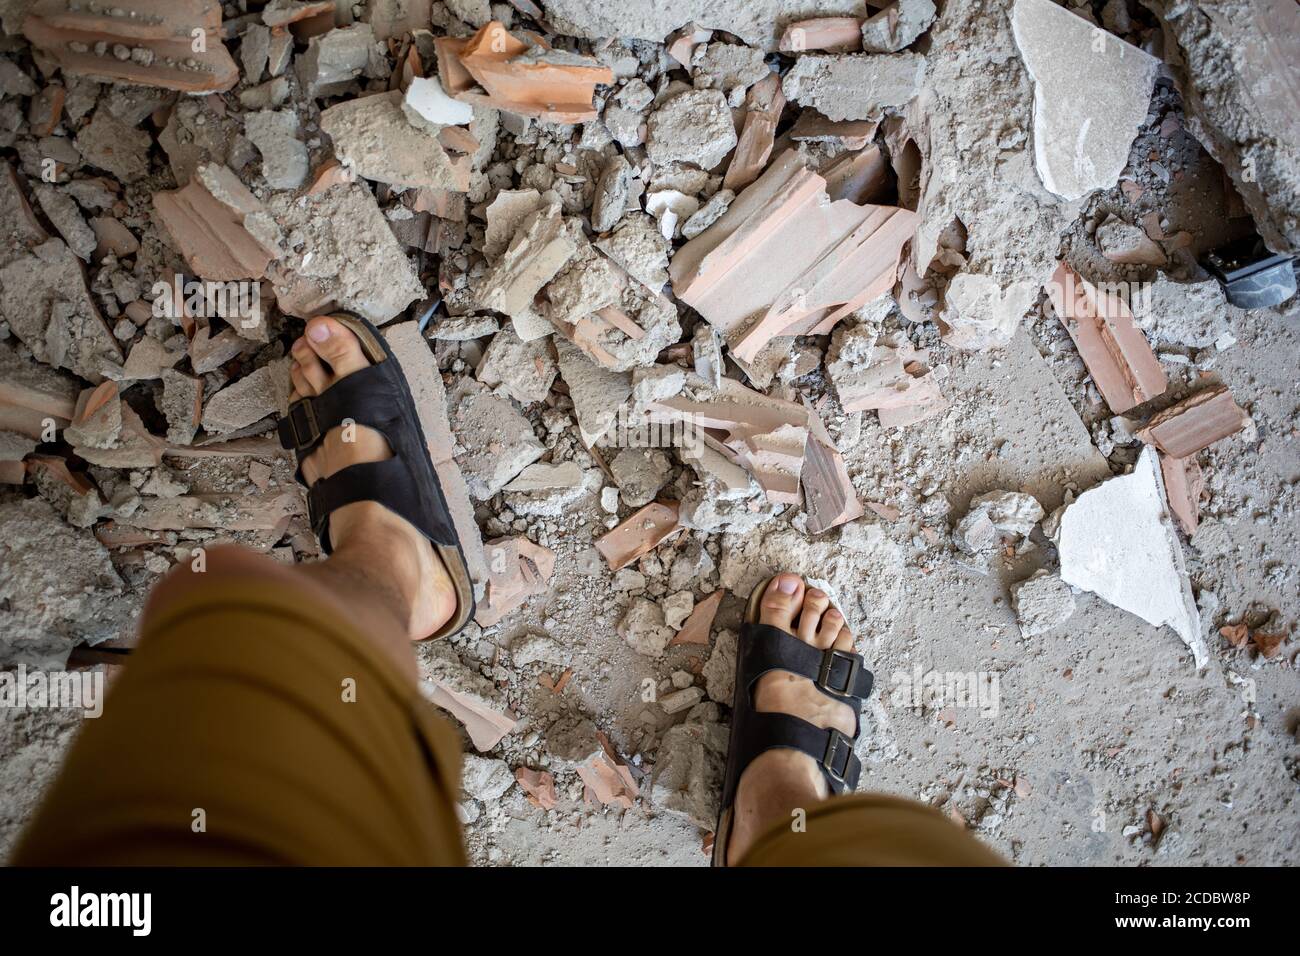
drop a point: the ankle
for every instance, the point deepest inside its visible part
(778, 787)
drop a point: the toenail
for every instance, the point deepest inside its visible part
(319, 332)
(816, 595)
(833, 613)
(787, 585)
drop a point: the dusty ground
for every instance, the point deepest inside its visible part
(1104, 718)
(1098, 728)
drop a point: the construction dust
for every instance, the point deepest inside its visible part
(980, 314)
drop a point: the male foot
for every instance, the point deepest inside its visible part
(780, 781)
(367, 538)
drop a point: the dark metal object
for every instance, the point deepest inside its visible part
(1251, 276)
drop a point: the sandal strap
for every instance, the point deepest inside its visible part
(388, 482)
(370, 397)
(841, 675)
(832, 749)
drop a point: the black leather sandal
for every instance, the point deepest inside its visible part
(406, 484)
(841, 675)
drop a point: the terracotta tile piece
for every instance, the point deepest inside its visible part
(530, 80)
(1121, 363)
(83, 40)
(1196, 422)
(765, 435)
(205, 219)
(699, 625)
(1183, 486)
(828, 495)
(832, 34)
(539, 785)
(763, 105)
(788, 254)
(517, 569)
(639, 534)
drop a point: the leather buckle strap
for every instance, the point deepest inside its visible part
(298, 429)
(829, 657)
(836, 769)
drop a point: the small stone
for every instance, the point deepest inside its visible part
(680, 700)
(677, 608)
(1041, 602)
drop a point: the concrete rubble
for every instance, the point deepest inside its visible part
(908, 298)
(1041, 602)
(1082, 131)
(994, 517)
(1237, 65)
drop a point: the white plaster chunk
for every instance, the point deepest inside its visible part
(1118, 541)
(426, 98)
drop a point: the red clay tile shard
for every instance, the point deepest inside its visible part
(527, 79)
(832, 34)
(828, 495)
(157, 35)
(766, 436)
(639, 534)
(484, 725)
(1195, 423)
(31, 396)
(763, 105)
(699, 625)
(20, 221)
(206, 220)
(1183, 486)
(539, 786)
(517, 569)
(785, 259)
(1121, 363)
(278, 14)
(610, 783)
(681, 44)
(812, 127)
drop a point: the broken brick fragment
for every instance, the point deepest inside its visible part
(828, 34)
(1116, 353)
(1195, 423)
(1183, 486)
(33, 397)
(785, 253)
(608, 781)
(209, 220)
(145, 42)
(522, 78)
(765, 435)
(763, 105)
(699, 625)
(639, 534)
(829, 498)
(517, 570)
(539, 785)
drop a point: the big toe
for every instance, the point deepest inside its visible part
(781, 601)
(336, 345)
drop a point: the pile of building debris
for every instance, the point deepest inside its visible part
(650, 263)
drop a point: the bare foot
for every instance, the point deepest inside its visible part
(778, 782)
(366, 534)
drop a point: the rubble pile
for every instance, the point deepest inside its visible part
(659, 276)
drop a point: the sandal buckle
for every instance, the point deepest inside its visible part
(829, 657)
(302, 423)
(835, 740)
